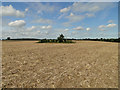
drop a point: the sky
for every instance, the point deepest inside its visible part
(50, 19)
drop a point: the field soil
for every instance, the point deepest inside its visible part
(84, 64)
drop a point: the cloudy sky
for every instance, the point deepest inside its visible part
(48, 20)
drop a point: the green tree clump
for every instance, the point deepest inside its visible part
(8, 38)
(59, 39)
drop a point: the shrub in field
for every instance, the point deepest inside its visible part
(48, 40)
(59, 39)
(8, 38)
(39, 41)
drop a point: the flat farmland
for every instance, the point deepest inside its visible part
(84, 64)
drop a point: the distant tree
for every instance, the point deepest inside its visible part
(8, 38)
(61, 38)
(101, 39)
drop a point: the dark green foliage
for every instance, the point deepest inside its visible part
(8, 38)
(103, 39)
(68, 41)
(60, 39)
(111, 40)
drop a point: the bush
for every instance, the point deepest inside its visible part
(8, 38)
(60, 39)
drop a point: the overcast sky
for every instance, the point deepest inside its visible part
(48, 20)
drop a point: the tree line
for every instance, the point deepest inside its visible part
(103, 39)
(62, 39)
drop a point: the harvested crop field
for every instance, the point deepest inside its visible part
(84, 64)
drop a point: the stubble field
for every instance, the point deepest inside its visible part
(84, 64)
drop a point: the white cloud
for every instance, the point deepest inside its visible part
(46, 27)
(71, 14)
(75, 18)
(26, 10)
(83, 10)
(41, 20)
(31, 28)
(49, 27)
(78, 28)
(111, 25)
(64, 10)
(43, 27)
(66, 29)
(91, 7)
(62, 15)
(84, 7)
(10, 11)
(17, 23)
(88, 29)
(42, 8)
(103, 27)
